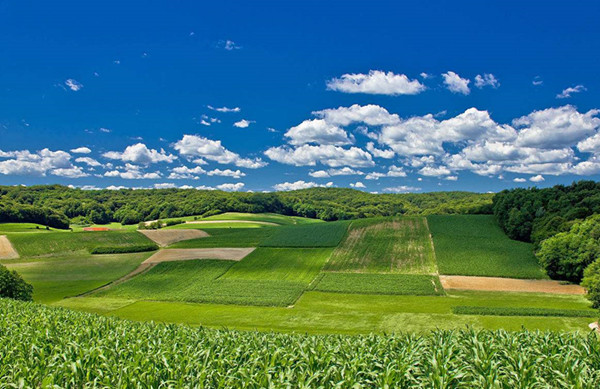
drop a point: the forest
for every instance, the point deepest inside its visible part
(56, 205)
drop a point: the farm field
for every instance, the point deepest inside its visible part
(386, 245)
(474, 245)
(371, 275)
(224, 358)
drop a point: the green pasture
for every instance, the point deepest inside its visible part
(474, 245)
(24, 227)
(308, 235)
(228, 237)
(368, 283)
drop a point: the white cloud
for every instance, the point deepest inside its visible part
(231, 187)
(556, 127)
(186, 173)
(425, 76)
(319, 174)
(451, 178)
(345, 171)
(140, 154)
(372, 115)
(520, 179)
(285, 186)
(132, 172)
(226, 173)
(393, 171)
(537, 81)
(402, 189)
(329, 155)
(164, 185)
(40, 163)
(224, 109)
(376, 82)
(487, 79)
(434, 171)
(379, 153)
(228, 45)
(88, 161)
(566, 93)
(538, 178)
(81, 150)
(455, 84)
(358, 184)
(243, 123)
(317, 131)
(196, 146)
(105, 130)
(73, 85)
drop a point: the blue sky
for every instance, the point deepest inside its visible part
(380, 96)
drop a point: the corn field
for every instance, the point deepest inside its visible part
(42, 346)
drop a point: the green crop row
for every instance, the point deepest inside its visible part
(140, 248)
(308, 235)
(519, 311)
(366, 283)
(53, 347)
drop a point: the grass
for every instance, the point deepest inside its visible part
(211, 226)
(474, 245)
(408, 284)
(228, 237)
(320, 312)
(386, 245)
(512, 311)
(264, 217)
(49, 347)
(112, 226)
(124, 249)
(198, 281)
(309, 235)
(297, 265)
(59, 243)
(25, 227)
(59, 277)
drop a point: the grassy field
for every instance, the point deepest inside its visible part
(59, 243)
(198, 281)
(474, 245)
(264, 217)
(297, 265)
(58, 277)
(225, 224)
(320, 312)
(49, 347)
(228, 237)
(112, 226)
(309, 235)
(410, 284)
(24, 227)
(386, 245)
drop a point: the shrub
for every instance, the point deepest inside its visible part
(173, 222)
(591, 281)
(124, 249)
(12, 285)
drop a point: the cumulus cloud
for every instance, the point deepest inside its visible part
(486, 80)
(345, 171)
(88, 161)
(226, 173)
(402, 189)
(376, 82)
(81, 150)
(243, 123)
(538, 178)
(140, 154)
(455, 84)
(132, 172)
(566, 93)
(317, 131)
(329, 155)
(73, 85)
(228, 45)
(194, 146)
(224, 109)
(358, 185)
(231, 187)
(184, 172)
(40, 163)
(285, 186)
(520, 179)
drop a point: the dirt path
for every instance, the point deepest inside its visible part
(231, 221)
(167, 237)
(232, 254)
(7, 251)
(509, 285)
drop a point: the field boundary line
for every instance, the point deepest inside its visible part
(437, 270)
(141, 269)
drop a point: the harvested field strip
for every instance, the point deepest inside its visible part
(7, 251)
(228, 237)
(228, 253)
(474, 245)
(385, 245)
(512, 311)
(200, 281)
(167, 237)
(393, 284)
(308, 235)
(277, 264)
(509, 285)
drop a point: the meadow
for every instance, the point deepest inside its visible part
(386, 245)
(59, 243)
(75, 349)
(474, 245)
(228, 237)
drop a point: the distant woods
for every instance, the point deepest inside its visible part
(56, 205)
